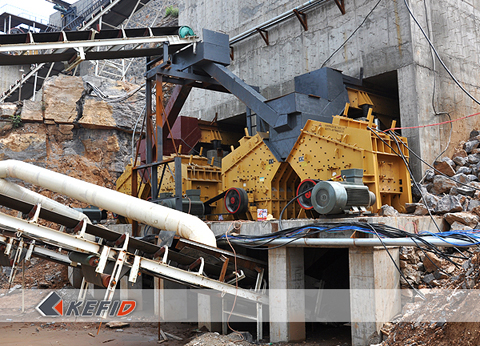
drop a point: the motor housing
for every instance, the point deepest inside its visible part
(191, 204)
(333, 197)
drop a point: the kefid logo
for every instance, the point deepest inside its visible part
(52, 306)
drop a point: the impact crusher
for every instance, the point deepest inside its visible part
(325, 133)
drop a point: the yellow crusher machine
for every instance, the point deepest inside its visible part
(320, 144)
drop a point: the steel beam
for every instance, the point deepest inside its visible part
(243, 92)
(172, 39)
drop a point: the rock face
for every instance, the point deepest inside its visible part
(32, 111)
(73, 131)
(60, 96)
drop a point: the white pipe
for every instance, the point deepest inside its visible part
(185, 225)
(17, 192)
(275, 20)
(350, 242)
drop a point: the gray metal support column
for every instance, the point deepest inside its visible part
(178, 182)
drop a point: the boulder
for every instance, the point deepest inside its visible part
(431, 262)
(473, 158)
(429, 175)
(32, 111)
(442, 184)
(473, 204)
(466, 191)
(410, 207)
(97, 115)
(457, 226)
(464, 170)
(443, 167)
(475, 168)
(464, 218)
(460, 161)
(387, 210)
(448, 204)
(470, 145)
(472, 177)
(461, 178)
(430, 200)
(420, 210)
(7, 109)
(60, 96)
(428, 278)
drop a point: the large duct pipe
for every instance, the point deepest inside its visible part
(18, 192)
(185, 225)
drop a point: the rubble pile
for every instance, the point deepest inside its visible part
(430, 322)
(424, 269)
(453, 188)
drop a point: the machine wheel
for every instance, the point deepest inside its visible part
(236, 200)
(305, 201)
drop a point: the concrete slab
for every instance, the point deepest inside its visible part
(409, 223)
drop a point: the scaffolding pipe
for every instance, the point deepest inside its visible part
(302, 8)
(185, 225)
(351, 242)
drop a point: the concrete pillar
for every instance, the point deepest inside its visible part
(287, 299)
(210, 312)
(132, 291)
(374, 291)
(170, 300)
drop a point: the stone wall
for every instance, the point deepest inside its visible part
(388, 41)
(383, 44)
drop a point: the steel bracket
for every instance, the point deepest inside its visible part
(134, 270)
(117, 270)
(35, 213)
(341, 5)
(103, 259)
(302, 17)
(264, 34)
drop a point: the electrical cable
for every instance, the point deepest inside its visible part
(397, 267)
(402, 156)
(236, 286)
(352, 34)
(438, 56)
(436, 170)
(134, 130)
(107, 98)
(286, 206)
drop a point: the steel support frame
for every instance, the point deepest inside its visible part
(117, 43)
(27, 230)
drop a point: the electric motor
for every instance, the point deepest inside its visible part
(332, 197)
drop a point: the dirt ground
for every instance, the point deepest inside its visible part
(86, 334)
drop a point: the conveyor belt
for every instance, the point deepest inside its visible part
(212, 256)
